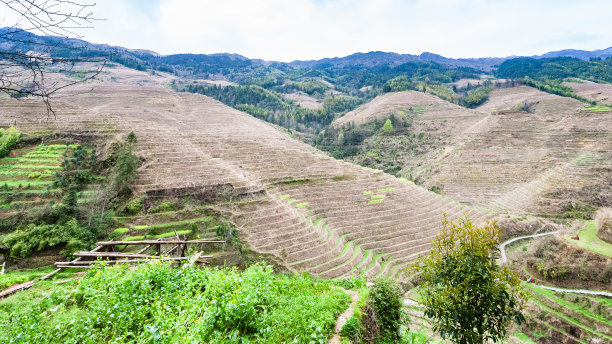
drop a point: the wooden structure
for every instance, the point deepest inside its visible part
(113, 252)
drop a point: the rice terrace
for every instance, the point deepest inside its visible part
(372, 198)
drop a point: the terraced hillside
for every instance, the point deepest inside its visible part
(337, 216)
(516, 157)
(27, 175)
(601, 93)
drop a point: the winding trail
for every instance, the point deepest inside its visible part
(502, 247)
(577, 291)
(342, 318)
(561, 290)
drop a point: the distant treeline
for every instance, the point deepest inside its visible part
(597, 70)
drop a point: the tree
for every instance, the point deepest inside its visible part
(469, 297)
(26, 58)
(124, 169)
(388, 127)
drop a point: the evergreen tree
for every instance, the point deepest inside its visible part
(388, 127)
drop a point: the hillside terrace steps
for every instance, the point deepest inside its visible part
(190, 142)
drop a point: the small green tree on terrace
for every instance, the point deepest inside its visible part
(388, 127)
(469, 297)
(124, 169)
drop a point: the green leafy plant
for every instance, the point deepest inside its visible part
(468, 296)
(8, 139)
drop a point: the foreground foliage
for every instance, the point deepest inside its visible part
(159, 304)
(469, 297)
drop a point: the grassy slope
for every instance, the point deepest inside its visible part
(590, 241)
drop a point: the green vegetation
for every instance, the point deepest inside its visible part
(476, 97)
(158, 304)
(124, 167)
(588, 240)
(62, 219)
(551, 295)
(8, 139)
(388, 127)
(378, 315)
(385, 190)
(469, 298)
(598, 108)
(301, 205)
(554, 86)
(557, 68)
(340, 103)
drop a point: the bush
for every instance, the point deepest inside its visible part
(604, 224)
(388, 127)
(378, 316)
(165, 206)
(386, 299)
(23, 242)
(133, 207)
(555, 260)
(8, 139)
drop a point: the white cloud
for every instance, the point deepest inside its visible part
(307, 29)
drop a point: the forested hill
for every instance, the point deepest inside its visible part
(238, 68)
(596, 69)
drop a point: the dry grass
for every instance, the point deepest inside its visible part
(604, 224)
(601, 93)
(304, 100)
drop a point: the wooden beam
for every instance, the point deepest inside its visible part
(90, 262)
(193, 259)
(98, 248)
(112, 255)
(155, 242)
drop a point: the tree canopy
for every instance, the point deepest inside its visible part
(469, 297)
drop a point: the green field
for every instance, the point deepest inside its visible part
(590, 241)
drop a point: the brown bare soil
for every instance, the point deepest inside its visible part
(193, 144)
(601, 93)
(384, 105)
(515, 157)
(304, 100)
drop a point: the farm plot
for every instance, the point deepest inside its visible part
(27, 175)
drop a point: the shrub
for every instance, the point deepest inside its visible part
(604, 224)
(388, 127)
(386, 299)
(133, 207)
(378, 316)
(8, 139)
(23, 242)
(165, 206)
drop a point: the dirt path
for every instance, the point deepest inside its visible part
(574, 291)
(578, 291)
(502, 247)
(347, 314)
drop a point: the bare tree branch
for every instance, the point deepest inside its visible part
(26, 57)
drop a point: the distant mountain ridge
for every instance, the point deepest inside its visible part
(141, 58)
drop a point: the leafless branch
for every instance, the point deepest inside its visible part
(26, 58)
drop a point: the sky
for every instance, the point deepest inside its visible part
(287, 30)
